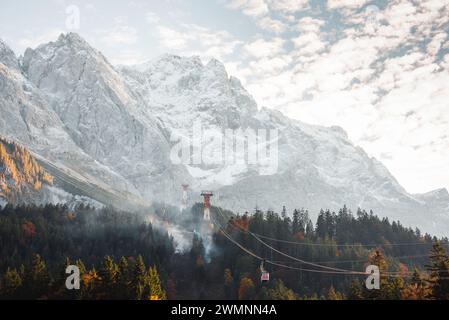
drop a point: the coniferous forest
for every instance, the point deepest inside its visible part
(124, 255)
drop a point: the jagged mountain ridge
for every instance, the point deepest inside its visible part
(113, 126)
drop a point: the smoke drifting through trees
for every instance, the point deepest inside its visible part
(105, 241)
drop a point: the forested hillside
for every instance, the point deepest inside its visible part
(124, 256)
(20, 175)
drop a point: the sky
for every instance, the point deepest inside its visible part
(378, 69)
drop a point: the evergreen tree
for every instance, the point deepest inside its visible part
(139, 279)
(156, 291)
(109, 274)
(38, 279)
(295, 222)
(439, 272)
(321, 229)
(123, 279)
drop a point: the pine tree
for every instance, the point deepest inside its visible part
(156, 291)
(109, 276)
(321, 229)
(295, 223)
(123, 279)
(39, 279)
(439, 272)
(139, 278)
(309, 228)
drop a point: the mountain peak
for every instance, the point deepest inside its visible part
(3, 44)
(7, 56)
(73, 39)
(218, 68)
(441, 193)
(117, 124)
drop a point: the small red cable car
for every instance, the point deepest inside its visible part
(264, 274)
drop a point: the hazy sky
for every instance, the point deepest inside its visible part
(379, 69)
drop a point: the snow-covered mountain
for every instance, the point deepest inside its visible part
(114, 127)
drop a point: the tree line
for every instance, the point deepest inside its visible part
(123, 256)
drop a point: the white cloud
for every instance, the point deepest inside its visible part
(252, 8)
(309, 24)
(382, 84)
(192, 39)
(289, 6)
(171, 38)
(270, 66)
(272, 25)
(345, 4)
(379, 76)
(265, 48)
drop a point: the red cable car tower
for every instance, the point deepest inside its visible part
(207, 195)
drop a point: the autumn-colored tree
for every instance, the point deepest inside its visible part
(29, 229)
(228, 284)
(10, 284)
(333, 294)
(22, 169)
(417, 289)
(90, 284)
(246, 289)
(391, 287)
(280, 292)
(154, 283)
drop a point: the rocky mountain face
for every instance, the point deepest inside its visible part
(120, 129)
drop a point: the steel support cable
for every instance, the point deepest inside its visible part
(291, 257)
(364, 260)
(345, 272)
(348, 245)
(336, 270)
(348, 272)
